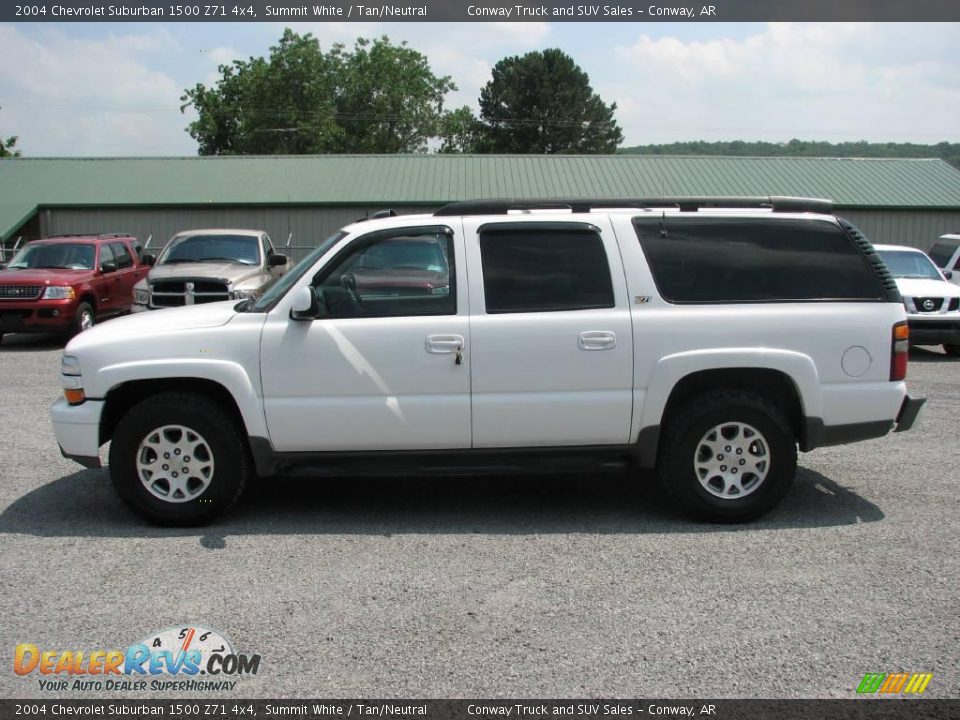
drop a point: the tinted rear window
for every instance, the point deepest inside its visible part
(725, 260)
(544, 268)
(942, 251)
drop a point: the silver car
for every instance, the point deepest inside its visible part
(202, 266)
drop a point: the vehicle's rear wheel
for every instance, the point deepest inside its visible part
(728, 456)
(84, 318)
(179, 459)
(951, 350)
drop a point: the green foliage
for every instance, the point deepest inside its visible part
(542, 102)
(376, 98)
(6, 147)
(804, 148)
(460, 131)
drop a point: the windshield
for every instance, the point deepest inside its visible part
(278, 289)
(64, 256)
(243, 249)
(910, 264)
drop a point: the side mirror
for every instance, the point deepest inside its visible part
(149, 259)
(948, 274)
(276, 260)
(307, 305)
(108, 267)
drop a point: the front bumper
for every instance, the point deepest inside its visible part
(909, 410)
(934, 332)
(77, 428)
(37, 316)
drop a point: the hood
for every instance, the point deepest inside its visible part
(922, 287)
(227, 271)
(150, 324)
(42, 276)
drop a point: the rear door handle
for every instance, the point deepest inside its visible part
(597, 340)
(444, 344)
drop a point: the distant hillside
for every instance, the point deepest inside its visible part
(803, 148)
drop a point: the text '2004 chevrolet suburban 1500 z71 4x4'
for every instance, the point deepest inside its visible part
(707, 338)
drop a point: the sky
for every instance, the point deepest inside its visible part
(108, 89)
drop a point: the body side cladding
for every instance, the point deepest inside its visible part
(820, 435)
(471, 461)
(89, 462)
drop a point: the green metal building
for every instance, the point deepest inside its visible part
(300, 200)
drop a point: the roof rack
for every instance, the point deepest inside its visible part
(377, 215)
(583, 205)
(96, 235)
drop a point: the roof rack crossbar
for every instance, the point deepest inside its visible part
(583, 205)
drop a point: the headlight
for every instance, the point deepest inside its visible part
(141, 297)
(70, 365)
(244, 294)
(56, 292)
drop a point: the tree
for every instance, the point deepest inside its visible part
(460, 131)
(542, 102)
(6, 147)
(376, 98)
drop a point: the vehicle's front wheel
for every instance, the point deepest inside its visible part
(728, 456)
(951, 350)
(83, 319)
(179, 459)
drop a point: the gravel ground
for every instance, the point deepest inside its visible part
(501, 587)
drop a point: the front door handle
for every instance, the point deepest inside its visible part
(597, 340)
(444, 344)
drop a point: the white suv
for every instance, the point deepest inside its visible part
(946, 254)
(932, 303)
(708, 338)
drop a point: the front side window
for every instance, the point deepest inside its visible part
(107, 261)
(63, 256)
(240, 249)
(544, 267)
(122, 254)
(725, 260)
(397, 273)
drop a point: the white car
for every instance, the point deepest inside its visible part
(945, 254)
(932, 303)
(707, 338)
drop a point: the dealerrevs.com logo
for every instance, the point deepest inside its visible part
(168, 660)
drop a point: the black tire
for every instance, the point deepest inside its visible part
(691, 423)
(951, 350)
(84, 310)
(221, 432)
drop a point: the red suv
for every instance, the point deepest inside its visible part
(68, 283)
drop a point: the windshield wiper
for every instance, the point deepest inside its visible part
(178, 260)
(228, 259)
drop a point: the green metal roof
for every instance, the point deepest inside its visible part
(30, 183)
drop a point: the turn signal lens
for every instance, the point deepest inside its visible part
(900, 351)
(74, 396)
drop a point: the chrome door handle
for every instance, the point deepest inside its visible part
(444, 344)
(597, 340)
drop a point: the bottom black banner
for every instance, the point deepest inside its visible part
(891, 709)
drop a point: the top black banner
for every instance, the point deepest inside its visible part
(481, 11)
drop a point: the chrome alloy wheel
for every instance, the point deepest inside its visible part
(175, 463)
(732, 460)
(86, 320)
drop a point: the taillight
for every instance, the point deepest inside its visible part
(900, 351)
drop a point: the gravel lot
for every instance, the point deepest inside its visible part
(502, 587)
